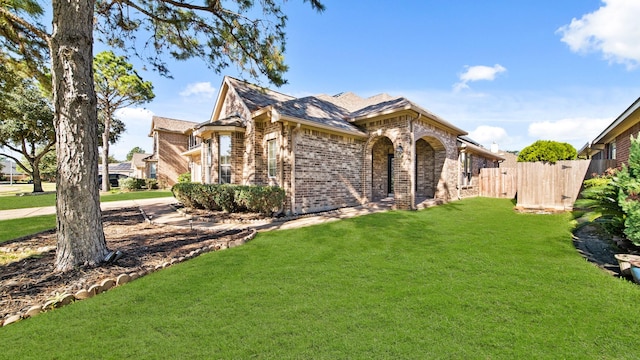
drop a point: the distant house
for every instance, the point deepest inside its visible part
(123, 168)
(170, 140)
(615, 141)
(326, 151)
(10, 171)
(139, 168)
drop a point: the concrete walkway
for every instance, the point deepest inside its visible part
(49, 210)
(160, 211)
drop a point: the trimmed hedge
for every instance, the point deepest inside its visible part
(132, 184)
(266, 200)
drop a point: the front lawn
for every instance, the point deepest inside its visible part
(468, 280)
(15, 228)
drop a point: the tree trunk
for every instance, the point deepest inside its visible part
(105, 152)
(37, 181)
(80, 236)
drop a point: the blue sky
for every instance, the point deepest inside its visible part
(506, 71)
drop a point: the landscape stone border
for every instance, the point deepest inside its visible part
(109, 283)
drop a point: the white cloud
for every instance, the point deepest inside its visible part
(613, 29)
(130, 114)
(199, 89)
(569, 130)
(478, 73)
(487, 135)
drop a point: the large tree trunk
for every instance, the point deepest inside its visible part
(81, 240)
(105, 153)
(37, 181)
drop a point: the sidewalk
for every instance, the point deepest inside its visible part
(160, 212)
(163, 214)
(49, 210)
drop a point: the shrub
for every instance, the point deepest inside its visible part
(151, 184)
(617, 201)
(184, 178)
(183, 192)
(230, 198)
(131, 184)
(263, 199)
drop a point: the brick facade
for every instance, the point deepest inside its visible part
(170, 163)
(325, 161)
(623, 144)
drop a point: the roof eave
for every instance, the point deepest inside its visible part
(313, 124)
(619, 125)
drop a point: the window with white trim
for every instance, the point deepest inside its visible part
(467, 168)
(224, 158)
(272, 163)
(612, 150)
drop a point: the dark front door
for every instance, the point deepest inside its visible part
(390, 174)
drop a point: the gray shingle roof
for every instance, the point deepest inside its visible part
(256, 97)
(174, 125)
(138, 159)
(352, 102)
(316, 110)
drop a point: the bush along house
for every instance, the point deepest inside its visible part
(328, 152)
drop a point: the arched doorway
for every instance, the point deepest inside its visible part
(429, 162)
(383, 168)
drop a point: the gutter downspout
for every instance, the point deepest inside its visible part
(462, 150)
(294, 133)
(412, 166)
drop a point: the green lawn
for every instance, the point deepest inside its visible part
(466, 280)
(15, 228)
(28, 201)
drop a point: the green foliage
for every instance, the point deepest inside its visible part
(615, 197)
(600, 198)
(267, 200)
(245, 35)
(151, 184)
(134, 184)
(184, 178)
(26, 127)
(547, 151)
(135, 150)
(230, 198)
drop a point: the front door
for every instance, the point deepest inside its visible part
(390, 174)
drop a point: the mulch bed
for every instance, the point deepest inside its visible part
(32, 280)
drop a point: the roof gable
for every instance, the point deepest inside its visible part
(171, 125)
(256, 97)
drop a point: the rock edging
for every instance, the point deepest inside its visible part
(106, 284)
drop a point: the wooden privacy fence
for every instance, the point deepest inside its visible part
(498, 182)
(541, 185)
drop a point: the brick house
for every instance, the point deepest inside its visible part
(139, 168)
(170, 140)
(327, 151)
(615, 141)
(333, 151)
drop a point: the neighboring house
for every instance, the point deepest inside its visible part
(123, 168)
(614, 142)
(11, 172)
(139, 168)
(170, 139)
(328, 152)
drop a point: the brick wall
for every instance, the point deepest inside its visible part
(623, 144)
(328, 171)
(170, 162)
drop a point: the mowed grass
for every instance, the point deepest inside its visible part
(29, 201)
(16, 228)
(467, 280)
